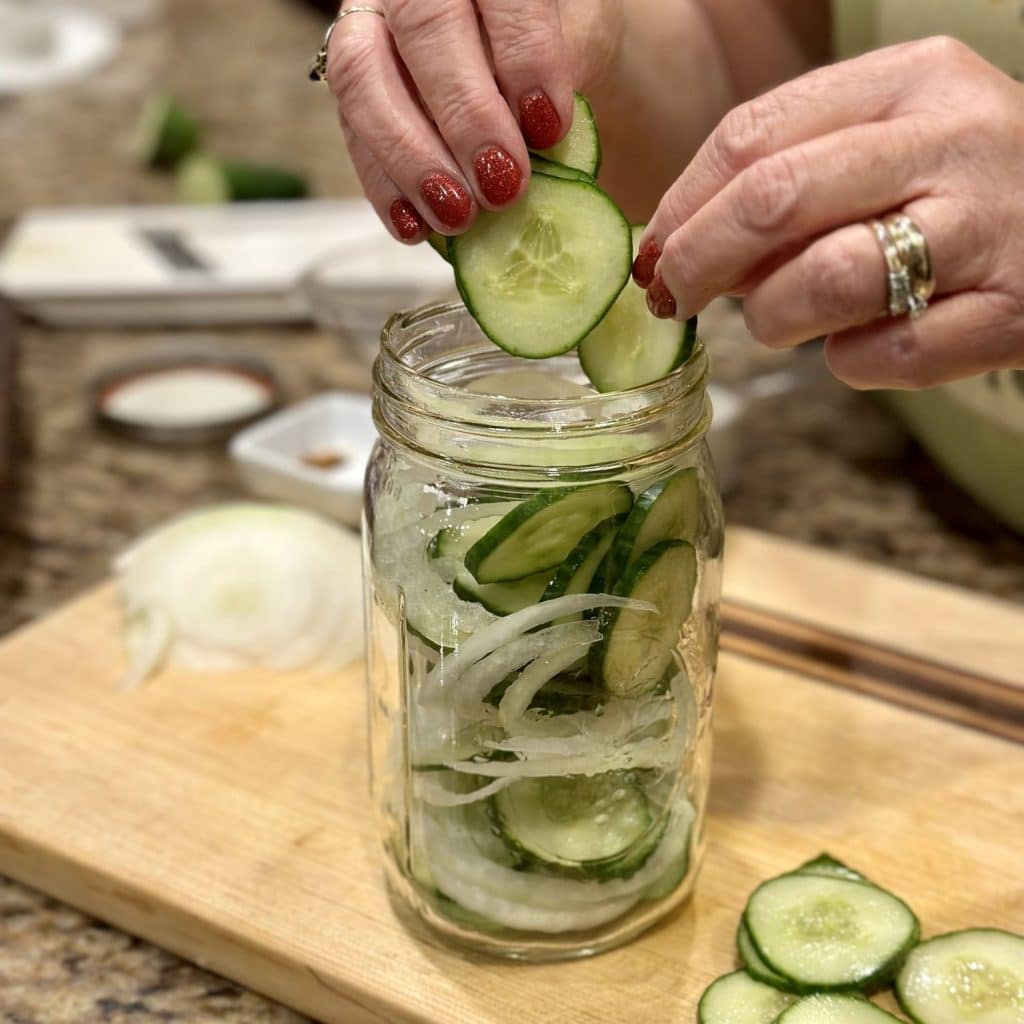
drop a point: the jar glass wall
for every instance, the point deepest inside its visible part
(542, 582)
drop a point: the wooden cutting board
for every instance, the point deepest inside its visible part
(226, 818)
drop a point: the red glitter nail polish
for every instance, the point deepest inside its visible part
(447, 198)
(645, 262)
(408, 223)
(659, 299)
(542, 127)
(498, 174)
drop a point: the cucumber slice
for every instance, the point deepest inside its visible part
(756, 967)
(439, 243)
(738, 999)
(670, 510)
(538, 276)
(166, 132)
(826, 865)
(678, 831)
(835, 1009)
(539, 165)
(590, 826)
(502, 598)
(541, 532)
(455, 541)
(829, 934)
(637, 648)
(631, 347)
(581, 147)
(974, 976)
(576, 573)
(204, 179)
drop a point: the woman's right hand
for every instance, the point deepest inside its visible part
(439, 99)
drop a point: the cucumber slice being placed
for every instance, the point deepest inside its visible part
(638, 647)
(829, 934)
(439, 243)
(670, 510)
(538, 276)
(541, 532)
(835, 1009)
(205, 179)
(974, 976)
(591, 826)
(166, 132)
(631, 346)
(756, 967)
(541, 166)
(738, 999)
(576, 573)
(581, 147)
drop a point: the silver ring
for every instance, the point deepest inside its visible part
(915, 255)
(318, 65)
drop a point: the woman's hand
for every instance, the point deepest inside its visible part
(773, 206)
(439, 99)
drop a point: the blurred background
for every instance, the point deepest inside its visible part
(145, 337)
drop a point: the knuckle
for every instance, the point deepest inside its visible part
(906, 359)
(942, 50)
(742, 136)
(352, 60)
(834, 281)
(463, 110)
(528, 47)
(413, 18)
(769, 192)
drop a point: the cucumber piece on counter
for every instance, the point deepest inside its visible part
(825, 864)
(538, 276)
(205, 179)
(588, 826)
(631, 347)
(670, 510)
(576, 573)
(439, 243)
(975, 976)
(581, 147)
(166, 132)
(541, 532)
(738, 999)
(829, 934)
(835, 1009)
(756, 967)
(638, 647)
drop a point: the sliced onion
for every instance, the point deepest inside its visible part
(430, 789)
(243, 585)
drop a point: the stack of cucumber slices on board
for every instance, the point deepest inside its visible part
(815, 942)
(549, 274)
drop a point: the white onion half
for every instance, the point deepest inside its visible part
(241, 585)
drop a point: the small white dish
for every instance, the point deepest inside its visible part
(78, 42)
(290, 456)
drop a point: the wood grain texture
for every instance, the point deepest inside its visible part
(226, 818)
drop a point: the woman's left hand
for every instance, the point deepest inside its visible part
(773, 208)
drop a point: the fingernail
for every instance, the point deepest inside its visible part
(499, 175)
(659, 299)
(447, 198)
(408, 223)
(645, 262)
(542, 127)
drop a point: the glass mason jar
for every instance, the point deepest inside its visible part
(539, 747)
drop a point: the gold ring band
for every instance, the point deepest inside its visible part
(908, 262)
(318, 65)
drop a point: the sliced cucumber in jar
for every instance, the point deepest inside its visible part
(502, 598)
(631, 347)
(587, 826)
(581, 147)
(670, 510)
(576, 573)
(738, 999)
(638, 647)
(835, 1009)
(538, 276)
(829, 934)
(975, 976)
(756, 967)
(542, 531)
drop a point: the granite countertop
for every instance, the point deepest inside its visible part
(819, 464)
